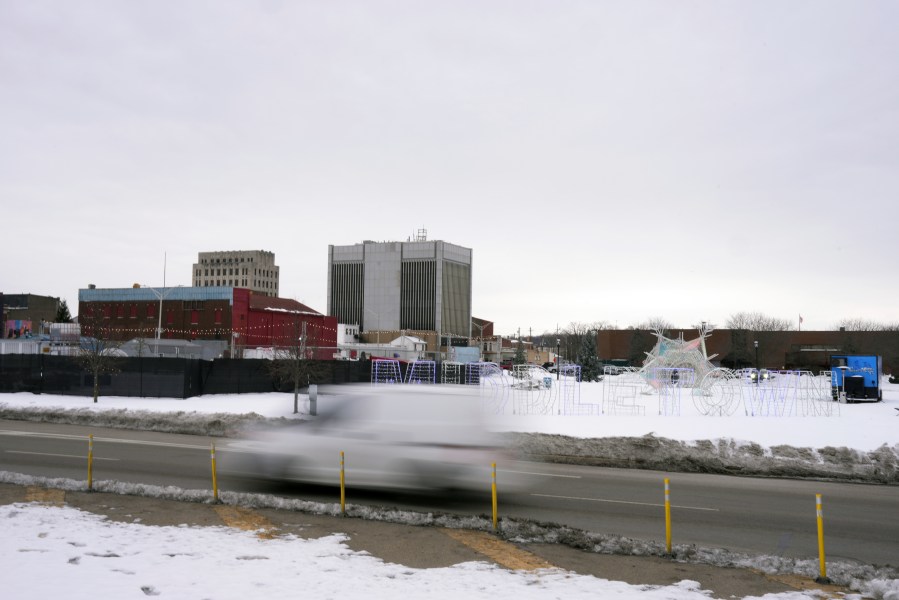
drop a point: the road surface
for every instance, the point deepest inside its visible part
(752, 515)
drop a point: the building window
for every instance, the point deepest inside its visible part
(151, 310)
(169, 317)
(194, 317)
(218, 316)
(133, 311)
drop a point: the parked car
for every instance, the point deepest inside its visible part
(407, 439)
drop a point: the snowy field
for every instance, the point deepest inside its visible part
(859, 426)
(77, 547)
(51, 552)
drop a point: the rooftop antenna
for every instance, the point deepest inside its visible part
(421, 235)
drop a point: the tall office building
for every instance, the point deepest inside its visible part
(252, 269)
(390, 286)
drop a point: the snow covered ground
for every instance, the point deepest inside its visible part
(56, 552)
(78, 547)
(860, 426)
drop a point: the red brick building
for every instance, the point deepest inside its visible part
(735, 348)
(228, 314)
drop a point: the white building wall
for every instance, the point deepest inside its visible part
(382, 286)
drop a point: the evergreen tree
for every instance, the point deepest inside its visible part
(520, 358)
(62, 313)
(591, 366)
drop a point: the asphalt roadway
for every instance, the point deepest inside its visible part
(754, 516)
(421, 547)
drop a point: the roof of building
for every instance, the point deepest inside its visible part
(165, 342)
(399, 341)
(270, 303)
(144, 294)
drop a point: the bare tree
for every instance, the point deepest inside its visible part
(858, 324)
(657, 324)
(572, 337)
(292, 362)
(756, 321)
(99, 351)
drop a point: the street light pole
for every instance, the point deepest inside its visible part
(756, 343)
(558, 360)
(480, 339)
(161, 295)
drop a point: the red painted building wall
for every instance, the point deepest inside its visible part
(257, 321)
(279, 322)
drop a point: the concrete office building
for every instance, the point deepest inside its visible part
(417, 285)
(251, 269)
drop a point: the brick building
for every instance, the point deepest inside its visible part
(735, 348)
(22, 315)
(235, 315)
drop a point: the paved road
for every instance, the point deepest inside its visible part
(758, 516)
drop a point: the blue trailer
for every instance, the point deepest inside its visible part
(856, 377)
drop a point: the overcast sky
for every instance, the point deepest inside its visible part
(605, 160)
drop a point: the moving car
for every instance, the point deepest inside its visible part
(399, 437)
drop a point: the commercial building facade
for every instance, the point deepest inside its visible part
(416, 285)
(251, 269)
(24, 315)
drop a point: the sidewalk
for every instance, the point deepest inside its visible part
(415, 547)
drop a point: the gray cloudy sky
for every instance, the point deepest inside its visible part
(605, 160)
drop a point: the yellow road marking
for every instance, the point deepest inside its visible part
(45, 495)
(245, 520)
(502, 553)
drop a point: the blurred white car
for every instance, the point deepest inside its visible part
(417, 438)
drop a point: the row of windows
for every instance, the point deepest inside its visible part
(169, 316)
(218, 282)
(218, 261)
(232, 282)
(220, 272)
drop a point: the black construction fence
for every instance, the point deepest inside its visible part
(152, 377)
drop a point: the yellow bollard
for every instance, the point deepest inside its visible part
(215, 487)
(667, 518)
(90, 462)
(493, 490)
(342, 486)
(823, 568)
